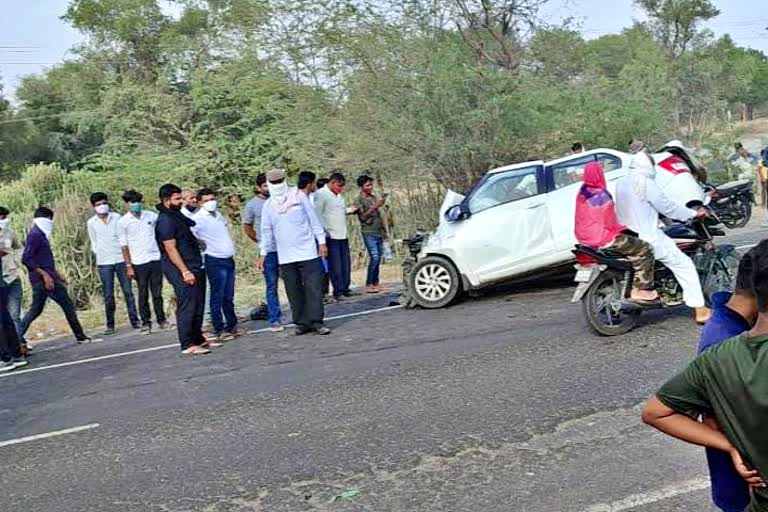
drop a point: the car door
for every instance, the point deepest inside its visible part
(508, 230)
(564, 180)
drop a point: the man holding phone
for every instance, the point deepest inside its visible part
(372, 211)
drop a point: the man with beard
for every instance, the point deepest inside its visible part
(183, 267)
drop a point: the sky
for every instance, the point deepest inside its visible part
(33, 37)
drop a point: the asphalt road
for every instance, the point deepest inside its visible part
(502, 403)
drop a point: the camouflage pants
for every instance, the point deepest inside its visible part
(640, 254)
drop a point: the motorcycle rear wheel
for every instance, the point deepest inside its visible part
(742, 213)
(600, 306)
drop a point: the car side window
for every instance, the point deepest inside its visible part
(609, 162)
(571, 172)
(505, 187)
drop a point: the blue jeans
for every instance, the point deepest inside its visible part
(271, 277)
(339, 266)
(221, 276)
(107, 273)
(15, 297)
(375, 246)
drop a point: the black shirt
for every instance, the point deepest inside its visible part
(173, 225)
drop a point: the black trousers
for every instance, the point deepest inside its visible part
(304, 287)
(149, 278)
(60, 296)
(190, 305)
(339, 265)
(10, 346)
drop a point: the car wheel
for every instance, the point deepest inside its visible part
(434, 282)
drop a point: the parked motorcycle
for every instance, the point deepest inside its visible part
(605, 278)
(732, 202)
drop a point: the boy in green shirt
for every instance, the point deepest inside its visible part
(729, 383)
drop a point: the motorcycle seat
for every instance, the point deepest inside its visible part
(733, 186)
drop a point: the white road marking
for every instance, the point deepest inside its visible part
(749, 246)
(340, 317)
(173, 345)
(638, 500)
(49, 434)
(89, 360)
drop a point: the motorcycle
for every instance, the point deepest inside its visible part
(605, 278)
(732, 202)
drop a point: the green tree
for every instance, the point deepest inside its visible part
(676, 22)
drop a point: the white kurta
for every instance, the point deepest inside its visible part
(642, 216)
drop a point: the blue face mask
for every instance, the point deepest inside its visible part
(134, 207)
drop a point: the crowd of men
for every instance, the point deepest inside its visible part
(301, 232)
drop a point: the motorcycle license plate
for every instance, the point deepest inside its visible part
(584, 275)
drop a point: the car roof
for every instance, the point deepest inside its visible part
(557, 161)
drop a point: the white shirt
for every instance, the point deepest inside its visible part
(138, 235)
(332, 212)
(294, 234)
(642, 215)
(212, 230)
(105, 239)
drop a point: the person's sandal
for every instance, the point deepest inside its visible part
(196, 351)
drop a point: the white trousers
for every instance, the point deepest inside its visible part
(666, 251)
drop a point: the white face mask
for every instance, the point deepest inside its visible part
(45, 225)
(102, 209)
(278, 191)
(4, 224)
(210, 206)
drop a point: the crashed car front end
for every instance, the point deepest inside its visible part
(415, 246)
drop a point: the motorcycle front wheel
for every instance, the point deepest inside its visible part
(601, 306)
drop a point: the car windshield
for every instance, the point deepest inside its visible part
(504, 188)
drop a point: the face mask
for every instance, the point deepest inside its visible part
(134, 207)
(191, 209)
(278, 191)
(45, 225)
(210, 206)
(4, 224)
(102, 209)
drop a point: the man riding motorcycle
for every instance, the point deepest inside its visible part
(639, 201)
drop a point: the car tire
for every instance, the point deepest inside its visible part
(434, 282)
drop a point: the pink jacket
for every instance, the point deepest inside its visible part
(596, 223)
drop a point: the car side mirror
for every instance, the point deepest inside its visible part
(456, 213)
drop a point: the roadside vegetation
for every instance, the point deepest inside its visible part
(424, 95)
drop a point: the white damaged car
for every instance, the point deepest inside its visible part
(518, 222)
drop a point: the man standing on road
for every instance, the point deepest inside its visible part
(11, 278)
(212, 229)
(104, 234)
(142, 259)
(726, 383)
(189, 207)
(373, 229)
(252, 214)
(289, 226)
(46, 282)
(332, 212)
(183, 267)
(732, 315)
(639, 200)
(11, 356)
